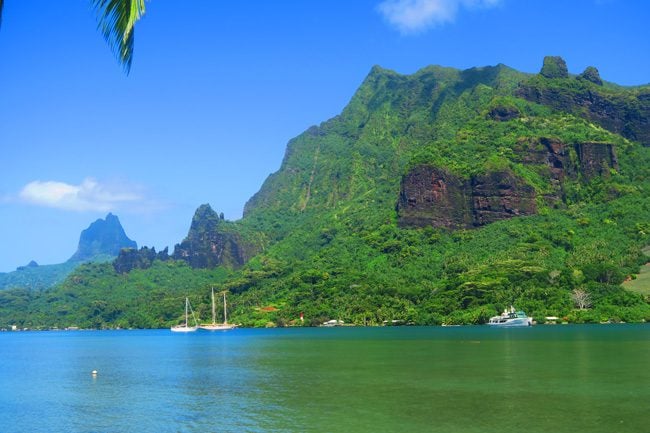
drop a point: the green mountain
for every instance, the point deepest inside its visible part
(104, 237)
(100, 242)
(437, 197)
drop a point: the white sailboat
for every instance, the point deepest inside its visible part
(184, 327)
(225, 326)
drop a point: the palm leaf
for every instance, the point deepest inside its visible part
(1, 4)
(116, 20)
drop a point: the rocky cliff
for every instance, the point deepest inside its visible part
(132, 258)
(212, 241)
(432, 196)
(625, 113)
(500, 195)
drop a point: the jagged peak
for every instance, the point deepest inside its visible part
(31, 264)
(102, 237)
(591, 74)
(203, 215)
(206, 211)
(490, 75)
(554, 67)
(438, 71)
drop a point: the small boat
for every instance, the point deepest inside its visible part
(184, 327)
(332, 323)
(214, 326)
(511, 318)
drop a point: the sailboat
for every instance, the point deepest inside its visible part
(184, 327)
(225, 326)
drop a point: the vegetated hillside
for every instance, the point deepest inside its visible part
(438, 197)
(100, 242)
(37, 277)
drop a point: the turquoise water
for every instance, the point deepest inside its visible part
(454, 379)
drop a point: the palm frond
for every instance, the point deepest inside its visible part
(116, 20)
(1, 5)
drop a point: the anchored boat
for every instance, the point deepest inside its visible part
(184, 327)
(511, 318)
(214, 326)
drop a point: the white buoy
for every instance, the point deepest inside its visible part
(94, 373)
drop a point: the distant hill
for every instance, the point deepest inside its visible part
(100, 242)
(104, 237)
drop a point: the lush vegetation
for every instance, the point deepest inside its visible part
(95, 296)
(331, 246)
(640, 283)
(37, 277)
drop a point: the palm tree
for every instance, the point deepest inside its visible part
(116, 19)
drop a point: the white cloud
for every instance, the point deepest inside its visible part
(412, 16)
(90, 195)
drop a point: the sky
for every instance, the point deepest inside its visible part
(218, 88)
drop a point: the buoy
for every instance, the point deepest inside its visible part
(94, 373)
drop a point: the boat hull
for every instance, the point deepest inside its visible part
(512, 323)
(183, 328)
(217, 327)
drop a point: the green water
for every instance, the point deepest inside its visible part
(469, 379)
(455, 379)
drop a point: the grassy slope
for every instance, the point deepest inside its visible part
(641, 282)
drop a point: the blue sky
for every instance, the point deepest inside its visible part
(217, 89)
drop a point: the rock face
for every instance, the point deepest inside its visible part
(503, 114)
(546, 151)
(596, 159)
(102, 238)
(625, 114)
(593, 159)
(209, 243)
(500, 195)
(131, 258)
(432, 196)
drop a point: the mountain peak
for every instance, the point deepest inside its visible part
(211, 242)
(554, 67)
(103, 237)
(31, 264)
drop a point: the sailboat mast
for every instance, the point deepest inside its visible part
(214, 315)
(187, 303)
(225, 317)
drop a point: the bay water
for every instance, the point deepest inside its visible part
(563, 378)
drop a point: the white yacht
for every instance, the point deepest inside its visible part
(511, 318)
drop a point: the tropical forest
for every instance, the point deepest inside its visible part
(437, 198)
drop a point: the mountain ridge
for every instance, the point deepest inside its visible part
(100, 242)
(546, 201)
